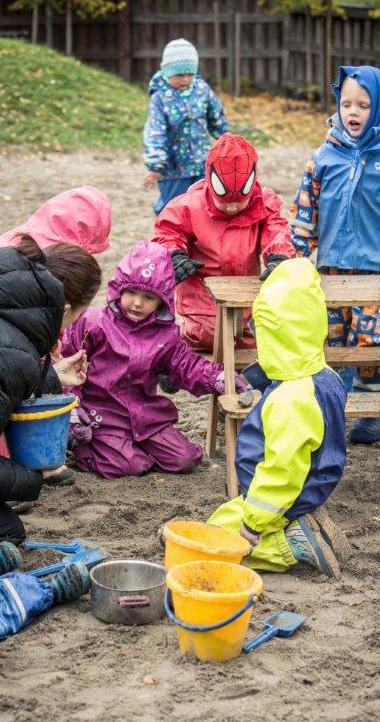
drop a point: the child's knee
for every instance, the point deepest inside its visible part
(191, 458)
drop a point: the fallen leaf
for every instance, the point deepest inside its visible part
(149, 680)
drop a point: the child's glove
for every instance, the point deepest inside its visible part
(80, 428)
(184, 266)
(219, 387)
(273, 261)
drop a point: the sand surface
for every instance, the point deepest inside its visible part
(70, 666)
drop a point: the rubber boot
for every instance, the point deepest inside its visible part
(165, 385)
(10, 557)
(70, 583)
(366, 431)
(308, 545)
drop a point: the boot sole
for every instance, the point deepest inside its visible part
(328, 563)
(334, 536)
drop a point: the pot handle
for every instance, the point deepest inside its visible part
(134, 601)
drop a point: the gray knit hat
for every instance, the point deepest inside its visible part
(179, 57)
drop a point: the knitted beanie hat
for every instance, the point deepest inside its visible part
(179, 57)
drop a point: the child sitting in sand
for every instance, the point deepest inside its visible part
(124, 427)
(291, 448)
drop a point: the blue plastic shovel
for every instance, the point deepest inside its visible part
(79, 550)
(281, 624)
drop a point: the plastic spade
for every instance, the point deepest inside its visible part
(80, 550)
(281, 624)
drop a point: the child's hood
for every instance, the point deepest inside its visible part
(148, 267)
(81, 216)
(290, 319)
(369, 78)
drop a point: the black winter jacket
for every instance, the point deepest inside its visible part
(31, 309)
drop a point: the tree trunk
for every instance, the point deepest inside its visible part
(69, 30)
(35, 19)
(48, 24)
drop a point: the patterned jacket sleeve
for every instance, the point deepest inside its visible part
(304, 212)
(190, 371)
(216, 120)
(156, 136)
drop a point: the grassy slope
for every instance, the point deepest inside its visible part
(51, 102)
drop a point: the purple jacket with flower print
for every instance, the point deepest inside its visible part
(125, 357)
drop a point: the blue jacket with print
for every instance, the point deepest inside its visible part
(177, 131)
(337, 205)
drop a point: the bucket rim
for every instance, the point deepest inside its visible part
(168, 533)
(45, 400)
(138, 562)
(256, 588)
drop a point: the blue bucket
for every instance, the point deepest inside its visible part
(38, 431)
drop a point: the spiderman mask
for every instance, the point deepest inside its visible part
(231, 171)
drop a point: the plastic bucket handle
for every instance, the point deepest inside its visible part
(201, 627)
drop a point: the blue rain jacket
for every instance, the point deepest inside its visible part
(337, 206)
(177, 131)
(22, 597)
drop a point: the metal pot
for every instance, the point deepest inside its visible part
(128, 591)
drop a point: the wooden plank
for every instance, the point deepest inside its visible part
(361, 405)
(228, 349)
(213, 405)
(240, 291)
(336, 356)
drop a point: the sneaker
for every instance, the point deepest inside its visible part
(10, 557)
(366, 431)
(20, 507)
(332, 534)
(70, 583)
(165, 385)
(308, 545)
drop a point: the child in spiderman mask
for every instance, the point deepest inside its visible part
(220, 227)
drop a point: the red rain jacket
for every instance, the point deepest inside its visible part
(226, 245)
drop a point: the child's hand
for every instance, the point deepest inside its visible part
(151, 179)
(252, 537)
(72, 371)
(240, 384)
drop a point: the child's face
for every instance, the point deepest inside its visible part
(138, 305)
(181, 82)
(232, 208)
(355, 107)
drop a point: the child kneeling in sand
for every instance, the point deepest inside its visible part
(123, 426)
(291, 448)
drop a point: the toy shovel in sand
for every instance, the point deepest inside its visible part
(79, 550)
(281, 624)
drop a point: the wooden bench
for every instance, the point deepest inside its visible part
(234, 293)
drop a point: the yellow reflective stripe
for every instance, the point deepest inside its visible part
(37, 415)
(265, 505)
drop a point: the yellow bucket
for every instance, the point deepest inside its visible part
(191, 541)
(212, 607)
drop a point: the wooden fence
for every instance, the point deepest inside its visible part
(238, 43)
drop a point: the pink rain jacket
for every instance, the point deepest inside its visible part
(81, 216)
(125, 357)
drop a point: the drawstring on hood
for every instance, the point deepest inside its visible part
(290, 319)
(146, 267)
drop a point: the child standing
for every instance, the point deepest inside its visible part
(124, 427)
(183, 113)
(337, 211)
(221, 227)
(291, 448)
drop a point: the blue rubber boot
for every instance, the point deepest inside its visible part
(366, 431)
(308, 545)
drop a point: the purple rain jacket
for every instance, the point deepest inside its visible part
(125, 357)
